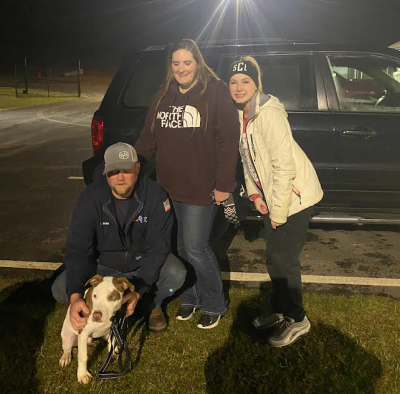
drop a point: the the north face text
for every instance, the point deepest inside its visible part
(179, 117)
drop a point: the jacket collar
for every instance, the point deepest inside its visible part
(256, 102)
(135, 206)
(139, 192)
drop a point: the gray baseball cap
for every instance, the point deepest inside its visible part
(119, 156)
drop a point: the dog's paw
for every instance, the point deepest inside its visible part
(84, 377)
(65, 359)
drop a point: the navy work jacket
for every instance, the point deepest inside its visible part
(95, 237)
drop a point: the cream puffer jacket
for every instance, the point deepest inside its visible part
(288, 179)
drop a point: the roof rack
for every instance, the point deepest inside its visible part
(237, 42)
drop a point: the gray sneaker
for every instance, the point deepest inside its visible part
(288, 331)
(267, 321)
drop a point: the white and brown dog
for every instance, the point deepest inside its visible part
(103, 299)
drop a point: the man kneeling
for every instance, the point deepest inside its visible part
(121, 226)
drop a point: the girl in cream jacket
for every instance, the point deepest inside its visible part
(283, 184)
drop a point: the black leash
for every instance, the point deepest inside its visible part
(118, 331)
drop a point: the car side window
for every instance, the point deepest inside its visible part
(288, 77)
(366, 83)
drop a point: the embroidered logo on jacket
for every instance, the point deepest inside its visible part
(180, 117)
(167, 205)
(141, 219)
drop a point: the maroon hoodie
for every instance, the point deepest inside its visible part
(196, 150)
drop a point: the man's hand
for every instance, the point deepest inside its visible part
(220, 196)
(131, 299)
(261, 206)
(274, 225)
(79, 312)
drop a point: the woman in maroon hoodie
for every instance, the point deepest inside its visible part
(192, 130)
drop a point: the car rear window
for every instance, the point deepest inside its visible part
(148, 75)
(145, 80)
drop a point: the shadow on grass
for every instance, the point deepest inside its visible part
(23, 314)
(222, 245)
(324, 361)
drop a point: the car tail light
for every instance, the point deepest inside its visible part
(97, 133)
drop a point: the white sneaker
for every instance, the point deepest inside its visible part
(288, 331)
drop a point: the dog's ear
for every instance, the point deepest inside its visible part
(121, 284)
(94, 281)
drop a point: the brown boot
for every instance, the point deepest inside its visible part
(157, 320)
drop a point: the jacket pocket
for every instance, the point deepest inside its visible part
(297, 193)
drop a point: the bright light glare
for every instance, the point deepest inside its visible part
(249, 21)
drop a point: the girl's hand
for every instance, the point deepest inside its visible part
(220, 196)
(274, 225)
(261, 206)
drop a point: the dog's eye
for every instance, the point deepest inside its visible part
(94, 295)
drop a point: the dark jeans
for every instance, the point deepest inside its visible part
(194, 228)
(171, 278)
(284, 245)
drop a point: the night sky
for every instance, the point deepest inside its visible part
(99, 29)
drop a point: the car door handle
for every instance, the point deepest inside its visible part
(360, 133)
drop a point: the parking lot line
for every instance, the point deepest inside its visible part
(74, 178)
(316, 279)
(237, 276)
(33, 265)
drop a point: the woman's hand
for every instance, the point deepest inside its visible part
(274, 225)
(261, 206)
(220, 196)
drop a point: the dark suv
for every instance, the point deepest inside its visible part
(343, 105)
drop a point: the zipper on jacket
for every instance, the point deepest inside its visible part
(128, 225)
(252, 146)
(120, 232)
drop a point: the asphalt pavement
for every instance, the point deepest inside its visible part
(41, 152)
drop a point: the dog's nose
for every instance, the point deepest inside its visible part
(97, 315)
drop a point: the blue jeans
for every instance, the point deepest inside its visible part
(194, 229)
(171, 278)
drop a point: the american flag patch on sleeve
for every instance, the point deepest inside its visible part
(167, 205)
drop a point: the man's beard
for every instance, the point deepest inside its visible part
(124, 191)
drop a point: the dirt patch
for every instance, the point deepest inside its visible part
(383, 259)
(347, 264)
(312, 237)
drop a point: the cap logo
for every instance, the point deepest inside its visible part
(123, 155)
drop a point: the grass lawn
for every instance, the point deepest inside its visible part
(35, 97)
(353, 347)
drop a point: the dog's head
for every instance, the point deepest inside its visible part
(104, 297)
